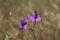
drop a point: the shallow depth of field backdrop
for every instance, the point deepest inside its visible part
(11, 11)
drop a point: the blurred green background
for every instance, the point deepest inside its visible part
(11, 11)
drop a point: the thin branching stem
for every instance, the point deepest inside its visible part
(33, 31)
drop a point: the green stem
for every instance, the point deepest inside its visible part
(33, 32)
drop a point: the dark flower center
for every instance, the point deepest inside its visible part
(35, 16)
(23, 24)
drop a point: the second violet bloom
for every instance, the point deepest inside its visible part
(35, 18)
(23, 24)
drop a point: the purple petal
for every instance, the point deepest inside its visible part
(20, 28)
(32, 18)
(25, 27)
(25, 20)
(38, 19)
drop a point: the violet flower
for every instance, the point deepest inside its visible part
(23, 24)
(35, 18)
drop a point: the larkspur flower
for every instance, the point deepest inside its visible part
(23, 24)
(35, 18)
